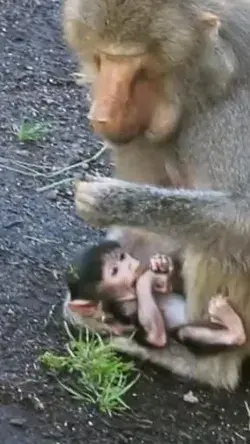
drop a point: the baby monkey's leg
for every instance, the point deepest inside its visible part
(221, 311)
(223, 330)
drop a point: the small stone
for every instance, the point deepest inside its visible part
(52, 195)
(10, 311)
(85, 166)
(190, 397)
(18, 422)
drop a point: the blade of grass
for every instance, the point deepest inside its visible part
(98, 375)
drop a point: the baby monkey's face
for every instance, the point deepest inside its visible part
(119, 270)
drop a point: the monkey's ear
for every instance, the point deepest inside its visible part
(210, 21)
(83, 307)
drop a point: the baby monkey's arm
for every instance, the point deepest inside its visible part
(149, 315)
(155, 280)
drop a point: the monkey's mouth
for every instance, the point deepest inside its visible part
(120, 139)
(124, 140)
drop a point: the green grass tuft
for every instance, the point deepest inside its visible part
(97, 374)
(31, 131)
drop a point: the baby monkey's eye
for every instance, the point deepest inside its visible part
(114, 271)
(122, 256)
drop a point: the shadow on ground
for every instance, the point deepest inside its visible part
(39, 233)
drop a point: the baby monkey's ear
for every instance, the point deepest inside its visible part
(83, 307)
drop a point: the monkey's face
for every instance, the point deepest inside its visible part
(119, 274)
(139, 52)
(131, 49)
(128, 97)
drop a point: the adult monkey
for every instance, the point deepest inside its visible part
(175, 95)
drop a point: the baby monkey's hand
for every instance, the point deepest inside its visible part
(162, 266)
(160, 263)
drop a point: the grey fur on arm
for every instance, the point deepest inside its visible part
(198, 217)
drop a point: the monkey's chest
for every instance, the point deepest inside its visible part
(186, 173)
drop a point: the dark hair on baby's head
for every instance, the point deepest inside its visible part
(85, 273)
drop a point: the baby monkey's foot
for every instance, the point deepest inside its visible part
(160, 263)
(221, 311)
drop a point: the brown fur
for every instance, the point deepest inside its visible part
(199, 70)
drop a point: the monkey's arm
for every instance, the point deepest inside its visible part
(208, 217)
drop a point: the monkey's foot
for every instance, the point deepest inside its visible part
(221, 311)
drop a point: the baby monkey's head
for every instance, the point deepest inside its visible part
(103, 273)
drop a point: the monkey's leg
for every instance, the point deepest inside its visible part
(219, 371)
(224, 329)
(220, 310)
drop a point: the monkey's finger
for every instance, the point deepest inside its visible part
(163, 263)
(153, 264)
(83, 188)
(111, 182)
(85, 206)
(93, 178)
(89, 213)
(96, 178)
(85, 199)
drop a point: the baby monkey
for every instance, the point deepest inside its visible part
(106, 279)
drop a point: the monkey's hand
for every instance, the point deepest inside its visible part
(94, 200)
(160, 263)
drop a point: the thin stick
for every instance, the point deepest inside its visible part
(66, 326)
(29, 165)
(40, 241)
(24, 172)
(69, 179)
(27, 170)
(248, 413)
(55, 184)
(78, 164)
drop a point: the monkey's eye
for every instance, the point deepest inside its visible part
(122, 256)
(114, 271)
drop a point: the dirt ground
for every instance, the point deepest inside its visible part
(39, 233)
